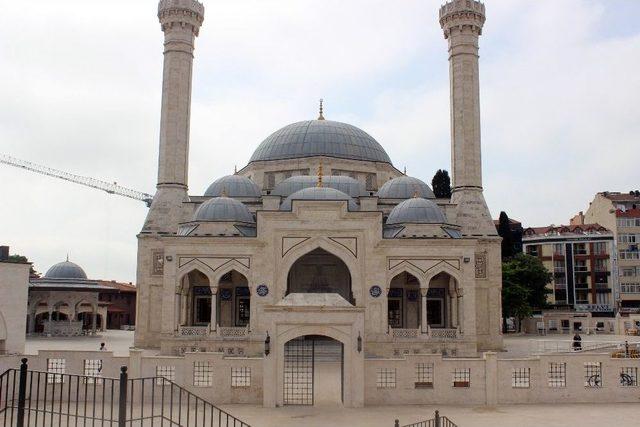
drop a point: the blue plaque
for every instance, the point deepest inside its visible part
(262, 290)
(375, 291)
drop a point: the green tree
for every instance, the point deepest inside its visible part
(441, 184)
(504, 230)
(22, 258)
(524, 286)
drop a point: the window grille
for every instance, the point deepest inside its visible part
(386, 378)
(241, 377)
(166, 372)
(557, 374)
(424, 375)
(521, 378)
(629, 377)
(55, 367)
(93, 371)
(462, 377)
(202, 374)
(593, 374)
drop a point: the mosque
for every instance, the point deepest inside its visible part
(319, 236)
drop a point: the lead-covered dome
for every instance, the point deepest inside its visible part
(405, 187)
(65, 270)
(223, 209)
(416, 211)
(320, 138)
(318, 193)
(233, 186)
(346, 184)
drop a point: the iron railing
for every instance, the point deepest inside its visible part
(436, 421)
(34, 398)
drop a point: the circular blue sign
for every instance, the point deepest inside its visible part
(375, 291)
(262, 290)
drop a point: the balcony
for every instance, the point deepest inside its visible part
(224, 332)
(432, 334)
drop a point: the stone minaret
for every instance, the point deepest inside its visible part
(180, 21)
(462, 21)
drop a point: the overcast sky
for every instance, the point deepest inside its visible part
(80, 88)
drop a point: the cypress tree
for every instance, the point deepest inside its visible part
(441, 184)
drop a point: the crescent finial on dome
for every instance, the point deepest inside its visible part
(320, 116)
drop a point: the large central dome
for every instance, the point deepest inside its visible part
(320, 138)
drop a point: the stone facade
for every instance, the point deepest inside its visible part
(14, 286)
(330, 265)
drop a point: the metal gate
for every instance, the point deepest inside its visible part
(46, 399)
(298, 371)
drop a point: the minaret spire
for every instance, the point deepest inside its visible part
(320, 116)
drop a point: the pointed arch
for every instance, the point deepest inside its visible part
(330, 246)
(228, 267)
(407, 268)
(194, 265)
(443, 268)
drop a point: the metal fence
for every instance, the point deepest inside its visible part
(34, 398)
(436, 421)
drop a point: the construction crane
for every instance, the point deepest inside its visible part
(111, 188)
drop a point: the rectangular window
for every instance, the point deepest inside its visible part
(593, 374)
(93, 371)
(521, 378)
(558, 266)
(386, 378)
(202, 374)
(557, 374)
(558, 249)
(241, 377)
(630, 288)
(424, 375)
(55, 369)
(462, 377)
(165, 372)
(580, 249)
(601, 265)
(600, 248)
(629, 377)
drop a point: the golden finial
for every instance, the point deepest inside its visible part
(224, 192)
(405, 170)
(321, 117)
(235, 169)
(67, 256)
(319, 174)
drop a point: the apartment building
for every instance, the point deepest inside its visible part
(620, 212)
(581, 262)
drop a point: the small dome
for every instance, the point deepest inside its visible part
(417, 211)
(320, 138)
(233, 186)
(223, 209)
(318, 193)
(346, 184)
(405, 187)
(65, 270)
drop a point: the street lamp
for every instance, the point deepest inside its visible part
(267, 345)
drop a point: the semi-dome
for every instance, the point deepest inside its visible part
(320, 138)
(233, 186)
(65, 270)
(417, 211)
(318, 193)
(405, 187)
(223, 209)
(346, 184)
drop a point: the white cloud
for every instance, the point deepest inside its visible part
(81, 92)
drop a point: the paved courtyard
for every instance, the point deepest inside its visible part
(587, 415)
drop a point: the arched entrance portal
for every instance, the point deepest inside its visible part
(320, 272)
(313, 371)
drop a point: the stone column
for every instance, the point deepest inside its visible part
(94, 316)
(462, 21)
(424, 327)
(454, 311)
(213, 323)
(177, 303)
(180, 21)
